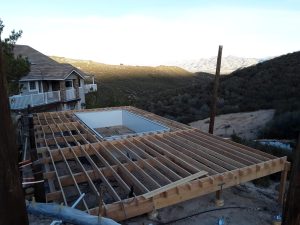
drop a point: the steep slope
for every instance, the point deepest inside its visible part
(273, 84)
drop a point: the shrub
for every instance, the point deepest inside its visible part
(285, 125)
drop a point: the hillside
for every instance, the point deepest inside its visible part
(123, 85)
(246, 125)
(273, 84)
(229, 64)
(177, 94)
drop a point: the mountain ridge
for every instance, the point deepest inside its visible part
(207, 65)
(229, 64)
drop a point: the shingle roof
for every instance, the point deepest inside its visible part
(43, 67)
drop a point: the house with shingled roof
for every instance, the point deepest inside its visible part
(49, 86)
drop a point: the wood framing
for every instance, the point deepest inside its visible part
(131, 176)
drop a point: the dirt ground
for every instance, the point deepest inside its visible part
(244, 205)
(245, 125)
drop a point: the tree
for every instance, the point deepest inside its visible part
(12, 204)
(14, 67)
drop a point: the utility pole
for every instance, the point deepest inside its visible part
(292, 206)
(12, 203)
(213, 107)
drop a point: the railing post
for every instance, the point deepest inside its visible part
(45, 97)
(58, 95)
(31, 99)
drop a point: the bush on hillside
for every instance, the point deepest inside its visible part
(284, 125)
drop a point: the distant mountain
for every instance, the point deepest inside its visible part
(208, 65)
(107, 70)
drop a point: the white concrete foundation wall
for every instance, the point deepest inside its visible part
(101, 119)
(138, 124)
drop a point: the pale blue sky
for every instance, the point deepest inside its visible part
(154, 32)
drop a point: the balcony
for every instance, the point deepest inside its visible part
(90, 88)
(70, 94)
(18, 102)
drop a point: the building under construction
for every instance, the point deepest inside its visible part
(130, 162)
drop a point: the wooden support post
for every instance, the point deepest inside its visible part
(12, 203)
(282, 187)
(292, 206)
(213, 107)
(219, 200)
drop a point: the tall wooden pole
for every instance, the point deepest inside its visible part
(213, 107)
(12, 203)
(292, 205)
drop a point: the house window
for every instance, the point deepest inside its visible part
(69, 84)
(32, 85)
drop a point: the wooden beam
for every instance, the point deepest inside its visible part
(126, 173)
(249, 150)
(166, 171)
(210, 160)
(191, 190)
(188, 156)
(174, 184)
(252, 155)
(56, 172)
(219, 153)
(148, 181)
(164, 160)
(158, 176)
(179, 160)
(102, 160)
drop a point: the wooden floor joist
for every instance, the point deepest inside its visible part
(144, 172)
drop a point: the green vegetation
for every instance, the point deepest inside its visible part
(126, 85)
(177, 94)
(271, 84)
(14, 68)
(279, 152)
(284, 125)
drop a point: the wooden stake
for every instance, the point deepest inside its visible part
(292, 206)
(12, 203)
(213, 107)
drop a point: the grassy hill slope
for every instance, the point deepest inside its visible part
(123, 85)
